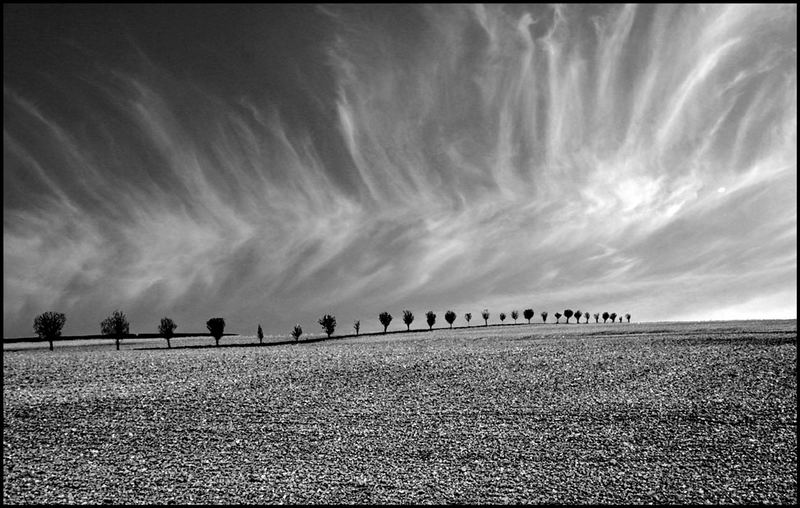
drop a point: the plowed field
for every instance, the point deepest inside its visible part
(623, 413)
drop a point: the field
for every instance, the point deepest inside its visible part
(623, 413)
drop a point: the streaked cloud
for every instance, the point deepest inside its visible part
(462, 157)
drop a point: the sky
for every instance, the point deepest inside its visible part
(269, 164)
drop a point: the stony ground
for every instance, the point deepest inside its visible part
(651, 413)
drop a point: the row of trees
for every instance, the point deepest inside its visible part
(328, 322)
(48, 325)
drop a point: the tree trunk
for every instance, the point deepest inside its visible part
(51, 345)
(169, 346)
(217, 341)
(117, 343)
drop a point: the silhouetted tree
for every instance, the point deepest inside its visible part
(613, 316)
(450, 316)
(544, 317)
(468, 317)
(596, 317)
(568, 314)
(587, 317)
(528, 314)
(385, 318)
(167, 328)
(558, 316)
(216, 327)
(328, 324)
(620, 319)
(605, 316)
(297, 331)
(578, 315)
(431, 317)
(356, 325)
(628, 317)
(48, 325)
(408, 318)
(502, 316)
(514, 315)
(260, 334)
(116, 325)
(485, 315)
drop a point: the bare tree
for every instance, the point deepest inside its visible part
(605, 316)
(328, 324)
(116, 325)
(558, 316)
(544, 316)
(167, 329)
(528, 314)
(468, 317)
(450, 317)
(628, 317)
(515, 315)
(260, 334)
(485, 315)
(48, 325)
(297, 331)
(385, 318)
(597, 317)
(216, 326)
(568, 314)
(356, 325)
(431, 317)
(408, 318)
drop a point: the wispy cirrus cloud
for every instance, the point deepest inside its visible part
(635, 158)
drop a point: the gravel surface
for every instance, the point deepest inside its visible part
(658, 413)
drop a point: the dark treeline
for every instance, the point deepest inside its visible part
(48, 325)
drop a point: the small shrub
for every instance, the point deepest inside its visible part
(297, 331)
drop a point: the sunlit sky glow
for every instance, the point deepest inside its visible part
(268, 164)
